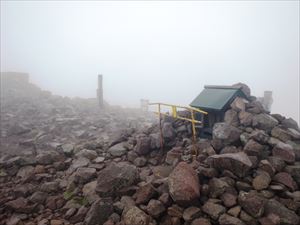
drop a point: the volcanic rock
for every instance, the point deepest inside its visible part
(115, 177)
(225, 132)
(238, 163)
(184, 184)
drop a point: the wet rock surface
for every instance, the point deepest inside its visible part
(64, 161)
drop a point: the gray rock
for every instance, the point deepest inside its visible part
(47, 158)
(231, 117)
(168, 131)
(86, 153)
(77, 163)
(264, 121)
(117, 150)
(68, 149)
(143, 145)
(84, 175)
(290, 123)
(25, 172)
(227, 133)
(51, 186)
(115, 177)
(155, 208)
(238, 163)
(213, 210)
(135, 216)
(99, 212)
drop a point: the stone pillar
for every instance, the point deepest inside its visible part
(100, 91)
(268, 100)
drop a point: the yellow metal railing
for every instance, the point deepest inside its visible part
(174, 114)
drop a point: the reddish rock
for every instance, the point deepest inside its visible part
(155, 208)
(253, 148)
(284, 152)
(20, 205)
(213, 210)
(287, 216)
(175, 211)
(144, 194)
(285, 179)
(266, 166)
(229, 199)
(271, 219)
(252, 204)
(184, 184)
(261, 181)
(191, 213)
(217, 187)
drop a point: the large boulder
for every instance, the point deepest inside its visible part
(264, 121)
(227, 133)
(238, 163)
(184, 184)
(115, 177)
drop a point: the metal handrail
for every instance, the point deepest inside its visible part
(174, 114)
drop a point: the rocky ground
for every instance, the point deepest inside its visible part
(63, 161)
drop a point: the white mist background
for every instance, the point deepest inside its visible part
(162, 51)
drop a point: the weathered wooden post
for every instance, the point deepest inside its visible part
(100, 91)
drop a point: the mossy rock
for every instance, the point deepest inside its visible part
(68, 195)
(80, 200)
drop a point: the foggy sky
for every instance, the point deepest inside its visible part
(162, 51)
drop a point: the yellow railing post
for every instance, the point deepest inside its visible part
(174, 114)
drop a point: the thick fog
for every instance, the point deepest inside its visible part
(161, 51)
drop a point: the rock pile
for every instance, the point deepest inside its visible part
(114, 172)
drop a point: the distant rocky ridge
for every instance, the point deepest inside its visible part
(65, 162)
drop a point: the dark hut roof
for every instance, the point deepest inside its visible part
(216, 98)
